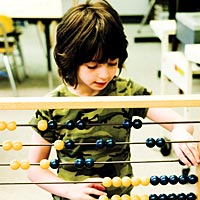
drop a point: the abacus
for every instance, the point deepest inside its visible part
(101, 102)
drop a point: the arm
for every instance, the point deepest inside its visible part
(179, 132)
(37, 174)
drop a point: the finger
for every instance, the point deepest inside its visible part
(98, 186)
(95, 191)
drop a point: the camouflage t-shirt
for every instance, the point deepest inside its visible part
(100, 124)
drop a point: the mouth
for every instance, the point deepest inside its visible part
(101, 84)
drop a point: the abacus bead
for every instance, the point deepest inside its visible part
(17, 145)
(154, 180)
(192, 179)
(7, 145)
(181, 163)
(15, 164)
(54, 164)
(89, 163)
(52, 125)
(191, 196)
(182, 179)
(135, 181)
(163, 197)
(150, 142)
(44, 164)
(116, 197)
(107, 182)
(172, 196)
(126, 181)
(100, 143)
(181, 196)
(103, 197)
(135, 197)
(79, 163)
(127, 123)
(11, 126)
(42, 125)
(164, 180)
(145, 181)
(125, 197)
(144, 197)
(3, 125)
(160, 142)
(69, 144)
(69, 124)
(25, 164)
(59, 145)
(137, 123)
(116, 181)
(173, 179)
(80, 124)
(153, 197)
(110, 143)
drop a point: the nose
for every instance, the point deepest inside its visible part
(103, 71)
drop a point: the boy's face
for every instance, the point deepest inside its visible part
(94, 77)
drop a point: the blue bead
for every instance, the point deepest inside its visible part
(127, 123)
(110, 143)
(52, 125)
(137, 123)
(154, 180)
(181, 196)
(160, 142)
(192, 179)
(79, 163)
(80, 124)
(69, 124)
(89, 163)
(54, 164)
(173, 179)
(191, 196)
(69, 144)
(163, 197)
(164, 180)
(182, 179)
(100, 143)
(172, 196)
(150, 142)
(153, 197)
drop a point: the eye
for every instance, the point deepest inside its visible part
(112, 64)
(91, 66)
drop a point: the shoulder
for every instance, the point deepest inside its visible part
(59, 91)
(127, 87)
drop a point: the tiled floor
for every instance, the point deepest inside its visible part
(142, 65)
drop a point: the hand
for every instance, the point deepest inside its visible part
(186, 152)
(82, 191)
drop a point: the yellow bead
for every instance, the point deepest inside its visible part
(103, 197)
(11, 126)
(126, 181)
(15, 164)
(135, 197)
(7, 145)
(107, 182)
(59, 145)
(3, 125)
(44, 164)
(116, 197)
(145, 181)
(25, 164)
(144, 197)
(117, 181)
(17, 145)
(135, 181)
(42, 125)
(125, 197)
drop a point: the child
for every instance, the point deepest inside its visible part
(90, 52)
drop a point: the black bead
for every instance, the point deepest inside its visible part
(89, 163)
(153, 197)
(110, 143)
(100, 143)
(69, 124)
(163, 197)
(69, 144)
(181, 196)
(172, 196)
(160, 142)
(191, 196)
(52, 125)
(80, 124)
(127, 123)
(154, 180)
(164, 180)
(182, 179)
(137, 123)
(192, 179)
(150, 142)
(173, 179)
(79, 163)
(54, 164)
(181, 163)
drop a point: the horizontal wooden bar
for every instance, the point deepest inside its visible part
(32, 103)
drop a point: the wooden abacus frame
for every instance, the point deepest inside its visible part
(156, 101)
